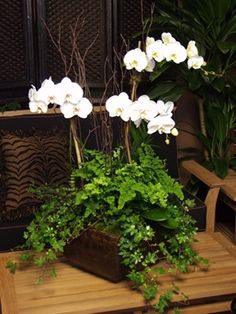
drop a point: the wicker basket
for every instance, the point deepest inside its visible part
(97, 252)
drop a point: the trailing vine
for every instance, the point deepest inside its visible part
(138, 201)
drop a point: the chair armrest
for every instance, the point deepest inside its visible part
(213, 182)
(203, 174)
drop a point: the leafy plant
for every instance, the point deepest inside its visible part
(137, 200)
(212, 24)
(221, 122)
(125, 191)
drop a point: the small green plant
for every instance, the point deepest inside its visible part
(138, 201)
(10, 106)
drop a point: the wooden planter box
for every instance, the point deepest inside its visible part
(97, 252)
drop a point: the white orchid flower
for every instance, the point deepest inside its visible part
(82, 109)
(156, 50)
(32, 93)
(150, 66)
(149, 41)
(192, 50)
(46, 92)
(165, 109)
(143, 108)
(175, 52)
(119, 106)
(162, 124)
(68, 91)
(137, 123)
(136, 59)
(195, 62)
(38, 106)
(68, 110)
(167, 38)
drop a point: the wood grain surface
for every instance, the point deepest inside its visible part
(75, 291)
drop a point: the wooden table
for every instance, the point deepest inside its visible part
(75, 291)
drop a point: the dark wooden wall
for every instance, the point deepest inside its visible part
(28, 55)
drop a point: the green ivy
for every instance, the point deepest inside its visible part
(137, 201)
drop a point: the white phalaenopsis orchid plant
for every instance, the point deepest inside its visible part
(167, 48)
(68, 95)
(143, 109)
(125, 191)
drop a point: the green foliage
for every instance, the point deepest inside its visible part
(137, 201)
(10, 106)
(220, 119)
(164, 300)
(211, 24)
(11, 265)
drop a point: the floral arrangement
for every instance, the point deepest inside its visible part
(69, 95)
(127, 194)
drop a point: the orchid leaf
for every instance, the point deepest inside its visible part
(221, 167)
(170, 223)
(156, 214)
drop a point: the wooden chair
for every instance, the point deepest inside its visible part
(219, 189)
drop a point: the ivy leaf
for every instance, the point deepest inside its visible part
(11, 265)
(159, 270)
(40, 261)
(53, 272)
(25, 256)
(149, 293)
(51, 255)
(39, 281)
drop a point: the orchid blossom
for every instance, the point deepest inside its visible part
(150, 66)
(192, 50)
(175, 52)
(82, 109)
(46, 92)
(136, 59)
(68, 91)
(165, 109)
(36, 105)
(119, 106)
(155, 49)
(195, 62)
(167, 38)
(143, 109)
(162, 124)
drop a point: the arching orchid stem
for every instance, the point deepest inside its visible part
(134, 89)
(76, 141)
(127, 141)
(135, 79)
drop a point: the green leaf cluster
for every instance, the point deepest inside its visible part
(137, 201)
(211, 24)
